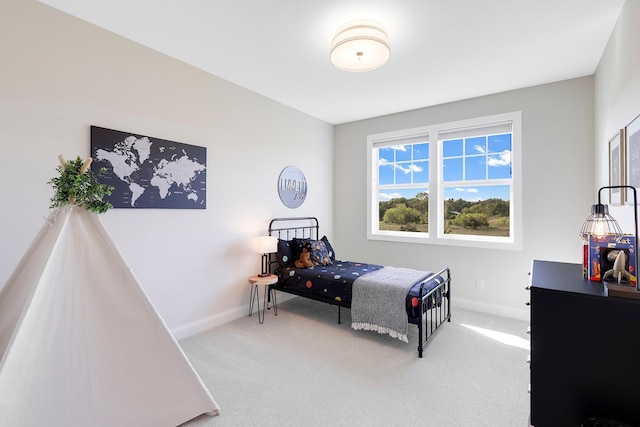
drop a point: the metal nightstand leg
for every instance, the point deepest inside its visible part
(254, 298)
(266, 304)
(272, 296)
(266, 281)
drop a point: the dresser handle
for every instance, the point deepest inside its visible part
(527, 303)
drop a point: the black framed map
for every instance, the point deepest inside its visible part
(149, 172)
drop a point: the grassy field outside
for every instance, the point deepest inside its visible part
(420, 228)
(498, 227)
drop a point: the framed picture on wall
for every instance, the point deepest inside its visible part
(616, 168)
(149, 172)
(632, 154)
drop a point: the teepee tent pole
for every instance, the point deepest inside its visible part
(86, 165)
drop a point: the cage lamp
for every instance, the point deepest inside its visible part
(601, 224)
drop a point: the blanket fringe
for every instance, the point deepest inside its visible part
(364, 326)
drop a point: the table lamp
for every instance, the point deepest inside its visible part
(600, 223)
(265, 245)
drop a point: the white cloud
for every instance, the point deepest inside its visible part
(383, 197)
(504, 159)
(466, 190)
(408, 169)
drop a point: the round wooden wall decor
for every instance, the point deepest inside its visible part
(292, 187)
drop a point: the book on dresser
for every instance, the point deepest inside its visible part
(602, 254)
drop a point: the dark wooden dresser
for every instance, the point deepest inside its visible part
(585, 349)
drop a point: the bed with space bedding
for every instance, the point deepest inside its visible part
(384, 299)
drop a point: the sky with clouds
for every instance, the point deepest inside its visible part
(469, 166)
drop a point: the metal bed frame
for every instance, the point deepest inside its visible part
(435, 306)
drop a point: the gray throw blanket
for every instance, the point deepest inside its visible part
(378, 301)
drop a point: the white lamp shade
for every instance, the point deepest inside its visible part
(360, 46)
(265, 244)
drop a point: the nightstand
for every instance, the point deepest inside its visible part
(257, 281)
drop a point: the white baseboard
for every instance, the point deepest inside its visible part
(207, 323)
(217, 319)
(498, 310)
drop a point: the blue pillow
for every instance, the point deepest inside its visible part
(285, 253)
(319, 253)
(296, 247)
(332, 253)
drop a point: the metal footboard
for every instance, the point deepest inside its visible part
(435, 307)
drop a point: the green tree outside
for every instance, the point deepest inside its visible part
(486, 217)
(471, 220)
(401, 214)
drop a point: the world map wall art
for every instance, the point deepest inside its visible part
(149, 172)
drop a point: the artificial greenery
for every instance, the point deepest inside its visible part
(83, 189)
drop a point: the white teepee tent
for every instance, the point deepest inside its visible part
(81, 344)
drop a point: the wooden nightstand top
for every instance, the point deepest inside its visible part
(266, 280)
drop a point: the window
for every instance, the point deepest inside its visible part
(453, 183)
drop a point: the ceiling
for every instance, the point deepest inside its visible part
(441, 50)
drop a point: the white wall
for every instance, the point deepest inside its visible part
(617, 96)
(60, 75)
(557, 159)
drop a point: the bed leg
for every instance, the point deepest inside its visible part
(420, 342)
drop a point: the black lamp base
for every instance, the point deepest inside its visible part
(265, 266)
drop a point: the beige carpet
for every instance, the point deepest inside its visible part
(303, 369)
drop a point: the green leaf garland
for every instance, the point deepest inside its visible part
(74, 186)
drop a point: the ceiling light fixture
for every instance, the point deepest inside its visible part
(360, 45)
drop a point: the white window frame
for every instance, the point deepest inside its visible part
(436, 186)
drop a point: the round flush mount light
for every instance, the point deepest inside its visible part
(360, 45)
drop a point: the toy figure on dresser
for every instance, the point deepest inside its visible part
(605, 259)
(619, 268)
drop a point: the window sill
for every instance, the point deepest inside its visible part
(451, 240)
